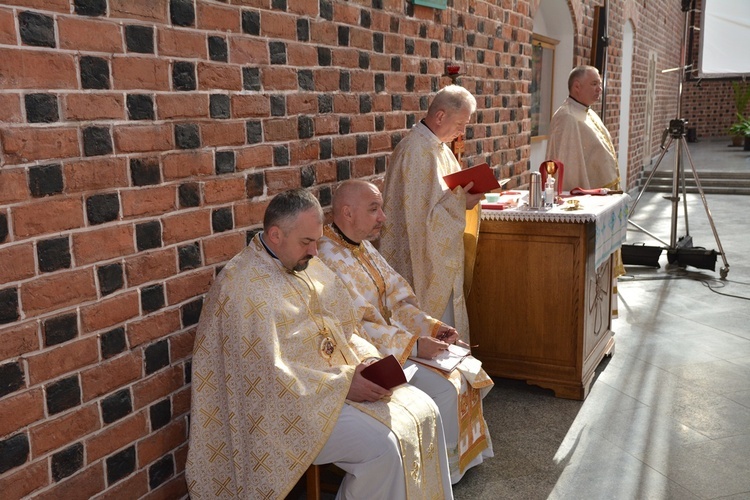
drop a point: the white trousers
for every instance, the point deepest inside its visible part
(369, 453)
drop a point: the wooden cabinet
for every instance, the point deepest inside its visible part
(539, 310)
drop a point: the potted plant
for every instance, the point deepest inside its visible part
(741, 91)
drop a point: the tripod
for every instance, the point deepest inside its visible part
(681, 250)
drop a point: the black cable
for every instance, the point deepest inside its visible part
(680, 273)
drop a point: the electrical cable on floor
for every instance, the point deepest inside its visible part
(679, 273)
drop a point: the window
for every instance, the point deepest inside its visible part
(435, 4)
(542, 65)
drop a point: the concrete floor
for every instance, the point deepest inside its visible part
(668, 416)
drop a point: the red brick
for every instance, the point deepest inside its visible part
(223, 133)
(304, 7)
(7, 27)
(181, 345)
(162, 442)
(19, 339)
(96, 173)
(363, 82)
(186, 226)
(157, 386)
(260, 155)
(13, 185)
(110, 375)
(102, 244)
(326, 80)
(304, 152)
(380, 142)
(344, 146)
(324, 33)
(26, 480)
(148, 200)
(16, 262)
(219, 76)
(188, 164)
(84, 484)
(280, 129)
(346, 104)
(325, 172)
(69, 428)
(116, 436)
(174, 488)
(363, 167)
(251, 106)
(153, 327)
(22, 145)
(218, 191)
(222, 247)
(135, 486)
(181, 43)
(302, 104)
(85, 107)
(140, 73)
(20, 410)
(249, 213)
(345, 57)
(36, 69)
(91, 35)
(57, 291)
(148, 10)
(10, 108)
(326, 125)
(180, 458)
(140, 138)
(248, 50)
(281, 179)
(110, 311)
(189, 285)
(170, 106)
(62, 359)
(151, 266)
(217, 18)
(181, 402)
(279, 78)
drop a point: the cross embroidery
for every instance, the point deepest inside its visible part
(211, 417)
(254, 308)
(222, 486)
(261, 462)
(250, 347)
(296, 461)
(288, 387)
(252, 386)
(256, 425)
(260, 277)
(205, 380)
(217, 452)
(292, 424)
(221, 310)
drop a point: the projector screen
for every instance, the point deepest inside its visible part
(724, 39)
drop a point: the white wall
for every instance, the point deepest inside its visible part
(627, 76)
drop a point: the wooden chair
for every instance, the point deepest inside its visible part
(315, 486)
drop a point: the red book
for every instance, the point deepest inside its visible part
(484, 179)
(386, 372)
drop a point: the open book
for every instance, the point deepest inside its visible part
(447, 360)
(482, 176)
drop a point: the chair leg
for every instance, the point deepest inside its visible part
(313, 482)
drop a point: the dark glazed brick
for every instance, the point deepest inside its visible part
(278, 4)
(434, 50)
(324, 56)
(254, 131)
(45, 180)
(380, 164)
(14, 451)
(423, 31)
(324, 196)
(326, 149)
(183, 76)
(110, 278)
(102, 208)
(66, 462)
(395, 139)
(113, 342)
(187, 136)
(140, 107)
(278, 105)
(160, 413)
(365, 103)
(189, 194)
(145, 171)
(221, 220)
(3, 227)
(305, 79)
(364, 60)
(8, 305)
(423, 67)
(410, 120)
(36, 29)
(325, 103)
(249, 235)
(53, 254)
(424, 103)
(305, 127)
(11, 378)
(326, 10)
(217, 49)
(303, 30)
(343, 36)
(379, 123)
(395, 63)
(224, 162)
(251, 78)
(96, 141)
(219, 106)
(120, 465)
(189, 256)
(148, 235)
(409, 46)
(343, 170)
(365, 20)
(90, 7)
(41, 108)
(362, 144)
(157, 356)
(191, 312)
(394, 22)
(378, 42)
(94, 73)
(410, 79)
(278, 52)
(189, 364)
(63, 394)
(280, 156)
(307, 175)
(251, 22)
(345, 125)
(160, 471)
(152, 298)
(379, 82)
(139, 39)
(116, 406)
(255, 184)
(182, 12)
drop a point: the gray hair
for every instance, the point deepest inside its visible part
(579, 72)
(451, 99)
(285, 207)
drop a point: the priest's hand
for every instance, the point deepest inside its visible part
(472, 199)
(447, 334)
(363, 389)
(429, 347)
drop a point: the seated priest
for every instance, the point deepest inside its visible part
(395, 323)
(277, 382)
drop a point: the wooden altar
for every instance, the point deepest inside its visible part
(540, 303)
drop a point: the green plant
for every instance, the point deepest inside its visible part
(741, 127)
(741, 92)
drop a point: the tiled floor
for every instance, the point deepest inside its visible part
(668, 416)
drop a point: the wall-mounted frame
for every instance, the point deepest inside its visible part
(435, 4)
(542, 81)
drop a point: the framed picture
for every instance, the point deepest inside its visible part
(542, 66)
(435, 4)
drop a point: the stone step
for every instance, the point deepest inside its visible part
(711, 182)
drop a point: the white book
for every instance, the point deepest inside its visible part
(447, 360)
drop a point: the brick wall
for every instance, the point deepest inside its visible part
(140, 143)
